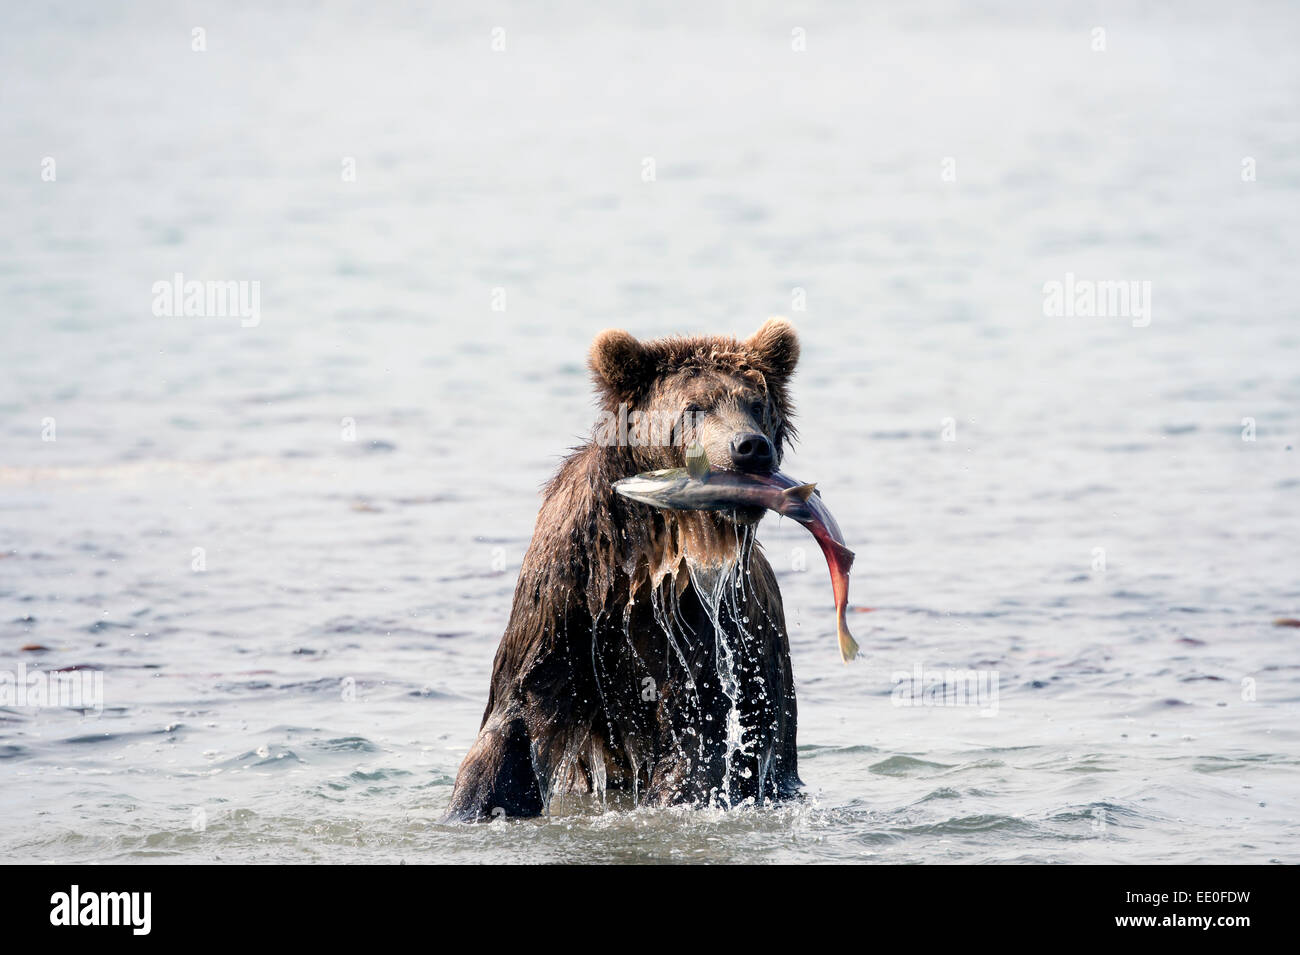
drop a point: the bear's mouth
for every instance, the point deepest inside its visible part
(743, 516)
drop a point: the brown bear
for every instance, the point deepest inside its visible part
(646, 650)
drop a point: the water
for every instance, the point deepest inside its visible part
(308, 696)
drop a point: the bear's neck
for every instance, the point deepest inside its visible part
(703, 539)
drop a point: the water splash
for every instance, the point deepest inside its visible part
(721, 590)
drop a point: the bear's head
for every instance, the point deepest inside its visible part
(728, 395)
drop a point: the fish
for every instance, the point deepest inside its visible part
(698, 487)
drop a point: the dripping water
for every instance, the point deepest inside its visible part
(720, 588)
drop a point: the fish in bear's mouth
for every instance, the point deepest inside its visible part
(743, 497)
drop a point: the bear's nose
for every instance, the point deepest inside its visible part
(752, 452)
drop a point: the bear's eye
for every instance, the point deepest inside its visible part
(757, 409)
(693, 410)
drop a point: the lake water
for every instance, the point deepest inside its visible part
(1098, 511)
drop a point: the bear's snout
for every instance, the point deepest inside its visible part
(752, 452)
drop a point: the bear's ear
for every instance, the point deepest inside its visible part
(775, 347)
(622, 365)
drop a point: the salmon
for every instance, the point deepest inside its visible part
(698, 487)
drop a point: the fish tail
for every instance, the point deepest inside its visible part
(848, 646)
